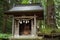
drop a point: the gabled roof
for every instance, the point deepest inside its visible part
(25, 9)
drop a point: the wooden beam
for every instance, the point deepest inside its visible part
(25, 17)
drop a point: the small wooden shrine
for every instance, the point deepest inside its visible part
(25, 18)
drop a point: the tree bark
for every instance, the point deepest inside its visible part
(5, 8)
(4, 23)
(51, 14)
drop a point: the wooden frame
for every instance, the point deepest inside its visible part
(16, 26)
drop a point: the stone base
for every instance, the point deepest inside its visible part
(23, 37)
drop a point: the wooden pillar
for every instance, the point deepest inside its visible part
(16, 27)
(32, 27)
(13, 25)
(35, 25)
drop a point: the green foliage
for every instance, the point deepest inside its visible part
(46, 29)
(2, 9)
(25, 2)
(57, 11)
(9, 25)
(4, 36)
(1, 16)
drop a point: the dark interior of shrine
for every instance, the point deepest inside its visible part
(25, 27)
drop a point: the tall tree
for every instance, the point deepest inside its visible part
(5, 8)
(51, 14)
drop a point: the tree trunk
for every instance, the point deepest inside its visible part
(4, 23)
(5, 8)
(51, 14)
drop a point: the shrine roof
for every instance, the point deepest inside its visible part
(25, 8)
(20, 10)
